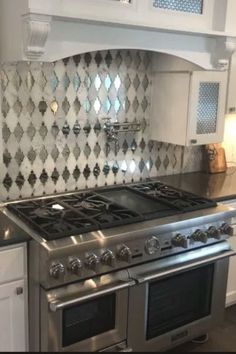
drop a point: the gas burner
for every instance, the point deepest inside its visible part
(84, 212)
(87, 202)
(179, 199)
(72, 215)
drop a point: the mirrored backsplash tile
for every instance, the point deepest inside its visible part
(53, 119)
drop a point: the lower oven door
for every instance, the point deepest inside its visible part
(87, 316)
(177, 298)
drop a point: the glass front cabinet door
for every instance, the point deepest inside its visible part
(185, 14)
(206, 108)
(188, 108)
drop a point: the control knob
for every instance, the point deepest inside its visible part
(75, 265)
(199, 236)
(124, 254)
(152, 245)
(227, 229)
(213, 232)
(108, 258)
(92, 262)
(57, 270)
(180, 241)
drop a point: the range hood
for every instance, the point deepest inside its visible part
(54, 29)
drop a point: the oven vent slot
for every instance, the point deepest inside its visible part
(139, 255)
(179, 336)
(167, 248)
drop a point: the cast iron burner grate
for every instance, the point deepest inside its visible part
(72, 215)
(184, 201)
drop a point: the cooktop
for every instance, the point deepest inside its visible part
(77, 213)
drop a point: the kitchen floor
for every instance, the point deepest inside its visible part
(222, 339)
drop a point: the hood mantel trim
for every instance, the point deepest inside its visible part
(49, 39)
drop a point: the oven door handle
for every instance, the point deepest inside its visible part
(177, 269)
(58, 304)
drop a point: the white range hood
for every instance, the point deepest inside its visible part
(49, 30)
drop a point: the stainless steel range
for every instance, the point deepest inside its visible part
(140, 268)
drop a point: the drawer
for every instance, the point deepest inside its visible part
(12, 264)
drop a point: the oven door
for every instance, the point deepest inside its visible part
(177, 298)
(87, 316)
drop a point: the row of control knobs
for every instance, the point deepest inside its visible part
(203, 236)
(92, 262)
(124, 254)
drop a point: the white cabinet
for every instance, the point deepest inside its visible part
(231, 103)
(13, 299)
(12, 318)
(191, 15)
(47, 30)
(188, 107)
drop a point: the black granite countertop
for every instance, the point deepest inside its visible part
(10, 233)
(220, 186)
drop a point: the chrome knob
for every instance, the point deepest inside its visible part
(57, 270)
(180, 241)
(75, 265)
(124, 254)
(108, 258)
(213, 232)
(199, 236)
(152, 245)
(92, 262)
(227, 229)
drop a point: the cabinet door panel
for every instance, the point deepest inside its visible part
(12, 318)
(207, 108)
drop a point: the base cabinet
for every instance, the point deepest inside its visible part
(12, 318)
(13, 299)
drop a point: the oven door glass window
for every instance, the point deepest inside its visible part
(179, 300)
(88, 319)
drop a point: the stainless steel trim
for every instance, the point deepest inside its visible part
(52, 324)
(127, 232)
(138, 306)
(179, 262)
(118, 348)
(186, 267)
(56, 305)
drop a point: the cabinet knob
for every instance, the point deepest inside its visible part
(19, 291)
(193, 141)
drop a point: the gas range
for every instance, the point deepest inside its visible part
(85, 234)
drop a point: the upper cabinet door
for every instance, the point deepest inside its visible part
(206, 107)
(190, 15)
(123, 11)
(231, 103)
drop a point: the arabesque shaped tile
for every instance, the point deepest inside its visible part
(31, 155)
(17, 107)
(76, 151)
(6, 133)
(76, 82)
(32, 179)
(5, 107)
(76, 173)
(66, 174)
(18, 132)
(7, 158)
(97, 150)
(30, 106)
(20, 180)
